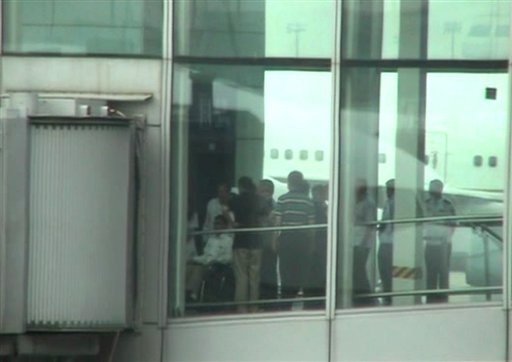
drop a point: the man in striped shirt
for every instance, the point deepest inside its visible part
(294, 247)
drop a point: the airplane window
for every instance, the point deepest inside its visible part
(382, 158)
(478, 161)
(303, 155)
(274, 153)
(288, 154)
(319, 155)
(493, 161)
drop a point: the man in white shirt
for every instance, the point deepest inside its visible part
(438, 241)
(363, 241)
(218, 206)
(218, 250)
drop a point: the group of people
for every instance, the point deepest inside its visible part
(293, 248)
(258, 256)
(437, 236)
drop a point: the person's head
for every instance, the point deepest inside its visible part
(223, 192)
(220, 222)
(245, 184)
(390, 188)
(266, 189)
(319, 193)
(435, 189)
(295, 181)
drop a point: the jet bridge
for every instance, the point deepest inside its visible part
(67, 219)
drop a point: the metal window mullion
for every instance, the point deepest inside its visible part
(507, 225)
(165, 154)
(333, 214)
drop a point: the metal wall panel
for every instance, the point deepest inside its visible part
(13, 231)
(272, 339)
(79, 225)
(452, 334)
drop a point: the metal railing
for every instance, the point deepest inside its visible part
(462, 220)
(483, 222)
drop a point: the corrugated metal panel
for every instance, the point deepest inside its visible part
(79, 201)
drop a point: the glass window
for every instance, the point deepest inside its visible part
(258, 28)
(426, 225)
(228, 121)
(468, 29)
(457, 29)
(422, 232)
(83, 27)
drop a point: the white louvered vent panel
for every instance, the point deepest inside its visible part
(79, 199)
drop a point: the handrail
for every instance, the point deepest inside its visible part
(461, 291)
(491, 232)
(462, 219)
(259, 229)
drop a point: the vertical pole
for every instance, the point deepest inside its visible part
(410, 140)
(359, 123)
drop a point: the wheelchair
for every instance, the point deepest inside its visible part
(218, 284)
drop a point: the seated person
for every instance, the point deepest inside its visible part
(218, 250)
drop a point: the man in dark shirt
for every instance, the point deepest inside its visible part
(268, 272)
(247, 245)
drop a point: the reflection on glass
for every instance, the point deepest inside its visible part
(83, 27)
(468, 29)
(258, 28)
(438, 188)
(242, 134)
(457, 29)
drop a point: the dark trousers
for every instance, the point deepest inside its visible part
(268, 274)
(293, 262)
(437, 262)
(360, 282)
(385, 257)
